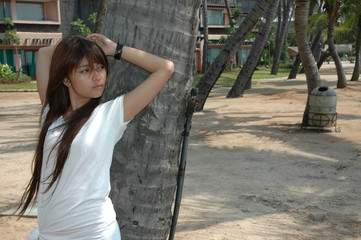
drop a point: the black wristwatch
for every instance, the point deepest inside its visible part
(118, 51)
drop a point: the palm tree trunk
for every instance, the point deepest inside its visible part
(356, 70)
(295, 66)
(323, 58)
(145, 163)
(282, 36)
(332, 18)
(316, 52)
(246, 73)
(308, 61)
(208, 80)
(205, 37)
(279, 20)
(229, 13)
(315, 48)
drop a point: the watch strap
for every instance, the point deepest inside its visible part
(118, 51)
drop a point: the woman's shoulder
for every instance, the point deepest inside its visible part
(112, 109)
(118, 101)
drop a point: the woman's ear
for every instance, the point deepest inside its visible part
(67, 82)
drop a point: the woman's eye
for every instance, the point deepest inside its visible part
(84, 70)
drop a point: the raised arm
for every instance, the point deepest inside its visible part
(160, 69)
(43, 60)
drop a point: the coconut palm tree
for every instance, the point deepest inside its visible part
(208, 80)
(317, 28)
(357, 68)
(308, 61)
(145, 164)
(255, 54)
(353, 21)
(333, 9)
(205, 36)
(281, 34)
(229, 13)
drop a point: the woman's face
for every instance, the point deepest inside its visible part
(86, 82)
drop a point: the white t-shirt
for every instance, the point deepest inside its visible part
(80, 208)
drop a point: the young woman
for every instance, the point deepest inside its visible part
(74, 152)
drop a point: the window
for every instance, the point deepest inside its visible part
(30, 11)
(243, 55)
(7, 57)
(215, 17)
(5, 9)
(213, 53)
(28, 59)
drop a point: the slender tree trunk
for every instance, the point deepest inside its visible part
(356, 69)
(323, 58)
(145, 162)
(279, 18)
(282, 36)
(205, 37)
(246, 73)
(332, 18)
(229, 13)
(295, 66)
(297, 62)
(308, 61)
(315, 48)
(208, 80)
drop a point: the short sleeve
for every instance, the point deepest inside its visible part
(114, 113)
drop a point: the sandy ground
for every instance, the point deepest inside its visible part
(252, 173)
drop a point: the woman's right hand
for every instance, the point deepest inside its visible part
(105, 43)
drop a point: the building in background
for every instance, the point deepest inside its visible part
(218, 22)
(38, 23)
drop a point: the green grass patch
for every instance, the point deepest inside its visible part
(19, 86)
(228, 77)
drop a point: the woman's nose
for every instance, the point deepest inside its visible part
(95, 75)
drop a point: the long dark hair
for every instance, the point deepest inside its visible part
(68, 54)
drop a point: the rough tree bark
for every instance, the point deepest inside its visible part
(145, 164)
(208, 80)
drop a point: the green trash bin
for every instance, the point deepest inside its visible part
(322, 101)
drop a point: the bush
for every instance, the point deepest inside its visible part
(8, 76)
(5, 70)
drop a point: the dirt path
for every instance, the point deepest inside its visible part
(251, 172)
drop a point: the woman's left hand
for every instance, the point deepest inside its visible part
(105, 43)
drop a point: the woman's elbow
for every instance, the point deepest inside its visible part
(169, 67)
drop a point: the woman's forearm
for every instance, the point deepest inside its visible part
(43, 61)
(147, 61)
